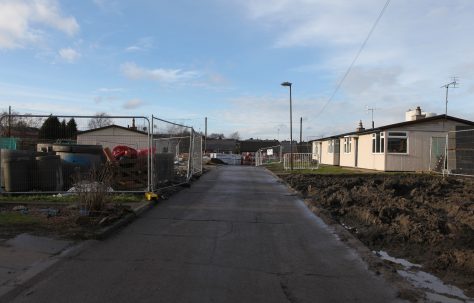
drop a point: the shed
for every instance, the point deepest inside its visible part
(113, 135)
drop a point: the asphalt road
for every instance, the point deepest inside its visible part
(237, 235)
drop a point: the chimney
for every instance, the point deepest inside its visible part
(133, 124)
(360, 127)
(418, 114)
(414, 114)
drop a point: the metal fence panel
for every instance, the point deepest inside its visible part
(300, 161)
(172, 153)
(197, 154)
(269, 155)
(460, 152)
(55, 153)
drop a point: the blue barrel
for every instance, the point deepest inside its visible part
(78, 159)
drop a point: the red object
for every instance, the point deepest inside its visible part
(122, 151)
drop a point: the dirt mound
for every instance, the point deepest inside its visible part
(424, 218)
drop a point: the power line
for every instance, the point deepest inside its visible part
(355, 58)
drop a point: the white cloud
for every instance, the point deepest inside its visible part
(133, 48)
(69, 55)
(267, 117)
(135, 72)
(133, 103)
(110, 6)
(143, 44)
(416, 48)
(100, 99)
(22, 22)
(311, 22)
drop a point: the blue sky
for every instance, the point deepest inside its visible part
(186, 60)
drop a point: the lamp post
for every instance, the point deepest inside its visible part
(291, 127)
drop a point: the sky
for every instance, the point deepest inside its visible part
(185, 60)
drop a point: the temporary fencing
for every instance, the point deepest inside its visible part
(300, 161)
(196, 159)
(46, 154)
(453, 154)
(177, 153)
(460, 152)
(269, 155)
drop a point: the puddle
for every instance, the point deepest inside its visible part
(38, 244)
(385, 256)
(435, 289)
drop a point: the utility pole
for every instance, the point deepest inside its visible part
(205, 135)
(301, 130)
(372, 110)
(9, 121)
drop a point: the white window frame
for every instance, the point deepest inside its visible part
(330, 146)
(347, 145)
(391, 134)
(380, 143)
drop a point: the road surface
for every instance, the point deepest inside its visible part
(237, 235)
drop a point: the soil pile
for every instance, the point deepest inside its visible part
(426, 219)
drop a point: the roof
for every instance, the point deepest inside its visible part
(396, 125)
(254, 145)
(112, 126)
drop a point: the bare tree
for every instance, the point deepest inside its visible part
(100, 120)
(19, 122)
(234, 135)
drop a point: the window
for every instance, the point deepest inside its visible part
(378, 143)
(397, 142)
(347, 145)
(333, 146)
(330, 146)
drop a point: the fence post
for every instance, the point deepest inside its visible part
(446, 149)
(190, 155)
(151, 154)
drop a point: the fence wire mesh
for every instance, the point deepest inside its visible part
(196, 163)
(54, 153)
(269, 155)
(460, 152)
(177, 153)
(42, 154)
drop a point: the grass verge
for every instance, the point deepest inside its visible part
(117, 198)
(277, 168)
(15, 218)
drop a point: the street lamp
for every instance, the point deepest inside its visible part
(291, 127)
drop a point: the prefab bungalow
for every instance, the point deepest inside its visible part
(113, 135)
(405, 146)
